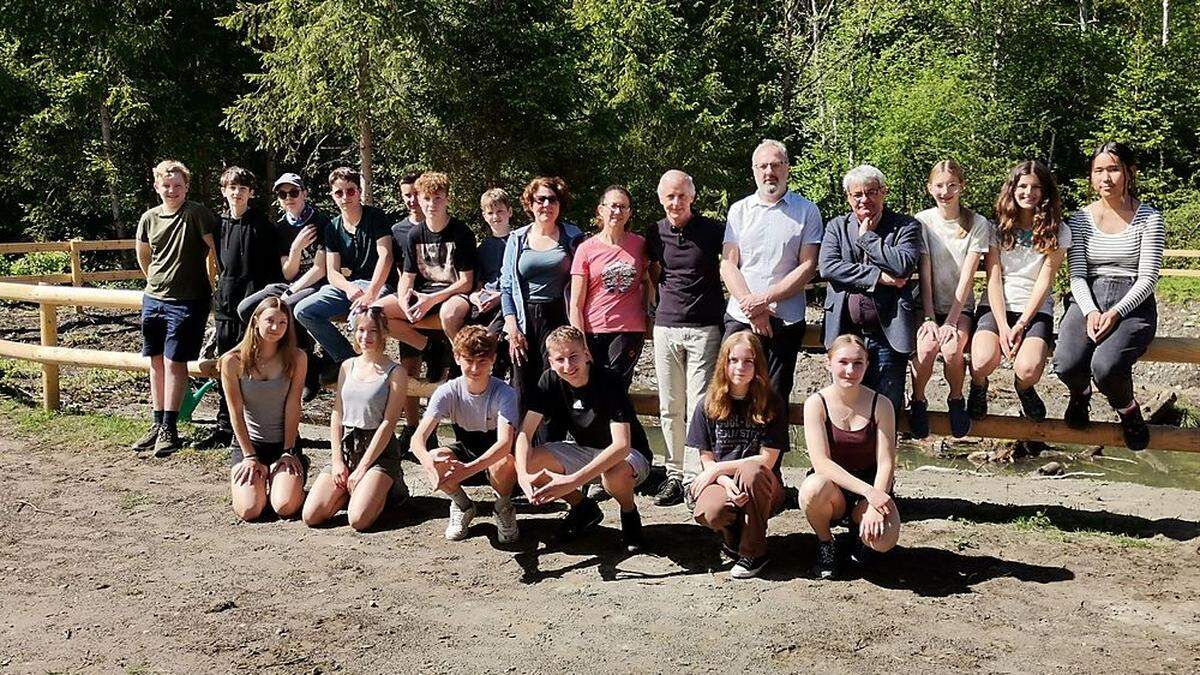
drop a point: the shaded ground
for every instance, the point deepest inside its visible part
(112, 563)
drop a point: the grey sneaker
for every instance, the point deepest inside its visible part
(147, 441)
(507, 530)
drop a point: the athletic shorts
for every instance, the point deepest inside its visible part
(1042, 325)
(574, 457)
(173, 329)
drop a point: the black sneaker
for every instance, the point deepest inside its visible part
(671, 492)
(960, 421)
(586, 514)
(167, 443)
(918, 418)
(827, 566)
(1078, 414)
(977, 401)
(216, 439)
(1133, 426)
(631, 531)
(146, 442)
(861, 554)
(1032, 405)
(748, 568)
(729, 552)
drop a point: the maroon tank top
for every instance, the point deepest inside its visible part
(854, 451)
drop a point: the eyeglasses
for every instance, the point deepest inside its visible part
(617, 208)
(864, 194)
(545, 199)
(348, 192)
(288, 194)
(770, 166)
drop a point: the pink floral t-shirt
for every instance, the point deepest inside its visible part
(614, 277)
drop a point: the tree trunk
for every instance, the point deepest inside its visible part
(366, 141)
(1166, 15)
(106, 140)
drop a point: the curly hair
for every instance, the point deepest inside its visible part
(1047, 216)
(555, 184)
(765, 404)
(432, 182)
(474, 342)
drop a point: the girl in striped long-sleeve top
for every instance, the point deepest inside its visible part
(1115, 262)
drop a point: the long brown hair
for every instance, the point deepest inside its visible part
(764, 402)
(966, 217)
(1047, 217)
(249, 349)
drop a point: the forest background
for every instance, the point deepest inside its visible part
(597, 91)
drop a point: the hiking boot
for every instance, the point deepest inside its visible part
(146, 442)
(827, 566)
(631, 531)
(1133, 426)
(977, 401)
(167, 443)
(1032, 405)
(960, 421)
(671, 492)
(918, 418)
(214, 440)
(1078, 414)
(507, 530)
(748, 568)
(584, 515)
(460, 521)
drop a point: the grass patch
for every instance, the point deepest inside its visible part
(1040, 523)
(18, 369)
(132, 499)
(70, 430)
(1177, 289)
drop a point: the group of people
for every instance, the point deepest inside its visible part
(724, 303)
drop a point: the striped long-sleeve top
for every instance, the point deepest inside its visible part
(1135, 252)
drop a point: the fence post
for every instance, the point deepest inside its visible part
(76, 268)
(49, 314)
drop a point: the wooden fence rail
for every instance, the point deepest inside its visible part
(52, 356)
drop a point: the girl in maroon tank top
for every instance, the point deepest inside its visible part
(850, 433)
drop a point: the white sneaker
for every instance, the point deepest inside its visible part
(507, 530)
(459, 522)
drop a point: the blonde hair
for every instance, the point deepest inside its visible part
(249, 350)
(170, 166)
(764, 402)
(493, 197)
(845, 340)
(966, 217)
(566, 334)
(432, 183)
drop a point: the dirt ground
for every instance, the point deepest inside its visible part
(115, 564)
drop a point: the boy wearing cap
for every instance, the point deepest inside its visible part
(174, 242)
(302, 256)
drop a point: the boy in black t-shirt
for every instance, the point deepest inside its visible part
(587, 402)
(485, 301)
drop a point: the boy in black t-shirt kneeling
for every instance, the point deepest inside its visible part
(608, 442)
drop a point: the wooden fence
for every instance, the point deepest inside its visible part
(52, 356)
(76, 248)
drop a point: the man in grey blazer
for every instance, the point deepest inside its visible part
(868, 257)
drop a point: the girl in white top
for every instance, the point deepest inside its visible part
(956, 239)
(1016, 320)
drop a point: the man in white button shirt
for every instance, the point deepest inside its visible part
(772, 239)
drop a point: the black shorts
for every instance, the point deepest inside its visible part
(267, 453)
(940, 319)
(853, 498)
(173, 329)
(1042, 325)
(469, 453)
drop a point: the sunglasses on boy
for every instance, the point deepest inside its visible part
(287, 194)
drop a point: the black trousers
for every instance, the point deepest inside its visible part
(619, 352)
(781, 348)
(228, 333)
(540, 319)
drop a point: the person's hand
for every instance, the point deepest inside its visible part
(340, 473)
(702, 480)
(529, 483)
(947, 336)
(865, 225)
(928, 331)
(872, 526)
(248, 471)
(1016, 335)
(880, 501)
(554, 486)
(889, 280)
(290, 465)
(761, 324)
(1103, 324)
(733, 492)
(754, 304)
(355, 295)
(423, 302)
(307, 235)
(517, 345)
(454, 473)
(484, 300)
(356, 477)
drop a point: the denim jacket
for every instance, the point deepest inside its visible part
(512, 287)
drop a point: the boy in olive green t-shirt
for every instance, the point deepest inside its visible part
(174, 241)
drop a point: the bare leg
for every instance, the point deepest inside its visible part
(540, 458)
(1030, 362)
(368, 499)
(503, 476)
(956, 365)
(922, 366)
(822, 503)
(985, 356)
(618, 481)
(891, 532)
(158, 373)
(287, 493)
(249, 499)
(324, 500)
(175, 383)
(398, 325)
(454, 313)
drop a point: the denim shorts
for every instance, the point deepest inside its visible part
(574, 457)
(173, 328)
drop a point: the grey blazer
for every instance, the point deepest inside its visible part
(893, 247)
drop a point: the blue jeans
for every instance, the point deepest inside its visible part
(887, 371)
(316, 313)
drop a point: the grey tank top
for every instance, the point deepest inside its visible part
(363, 403)
(264, 401)
(546, 273)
